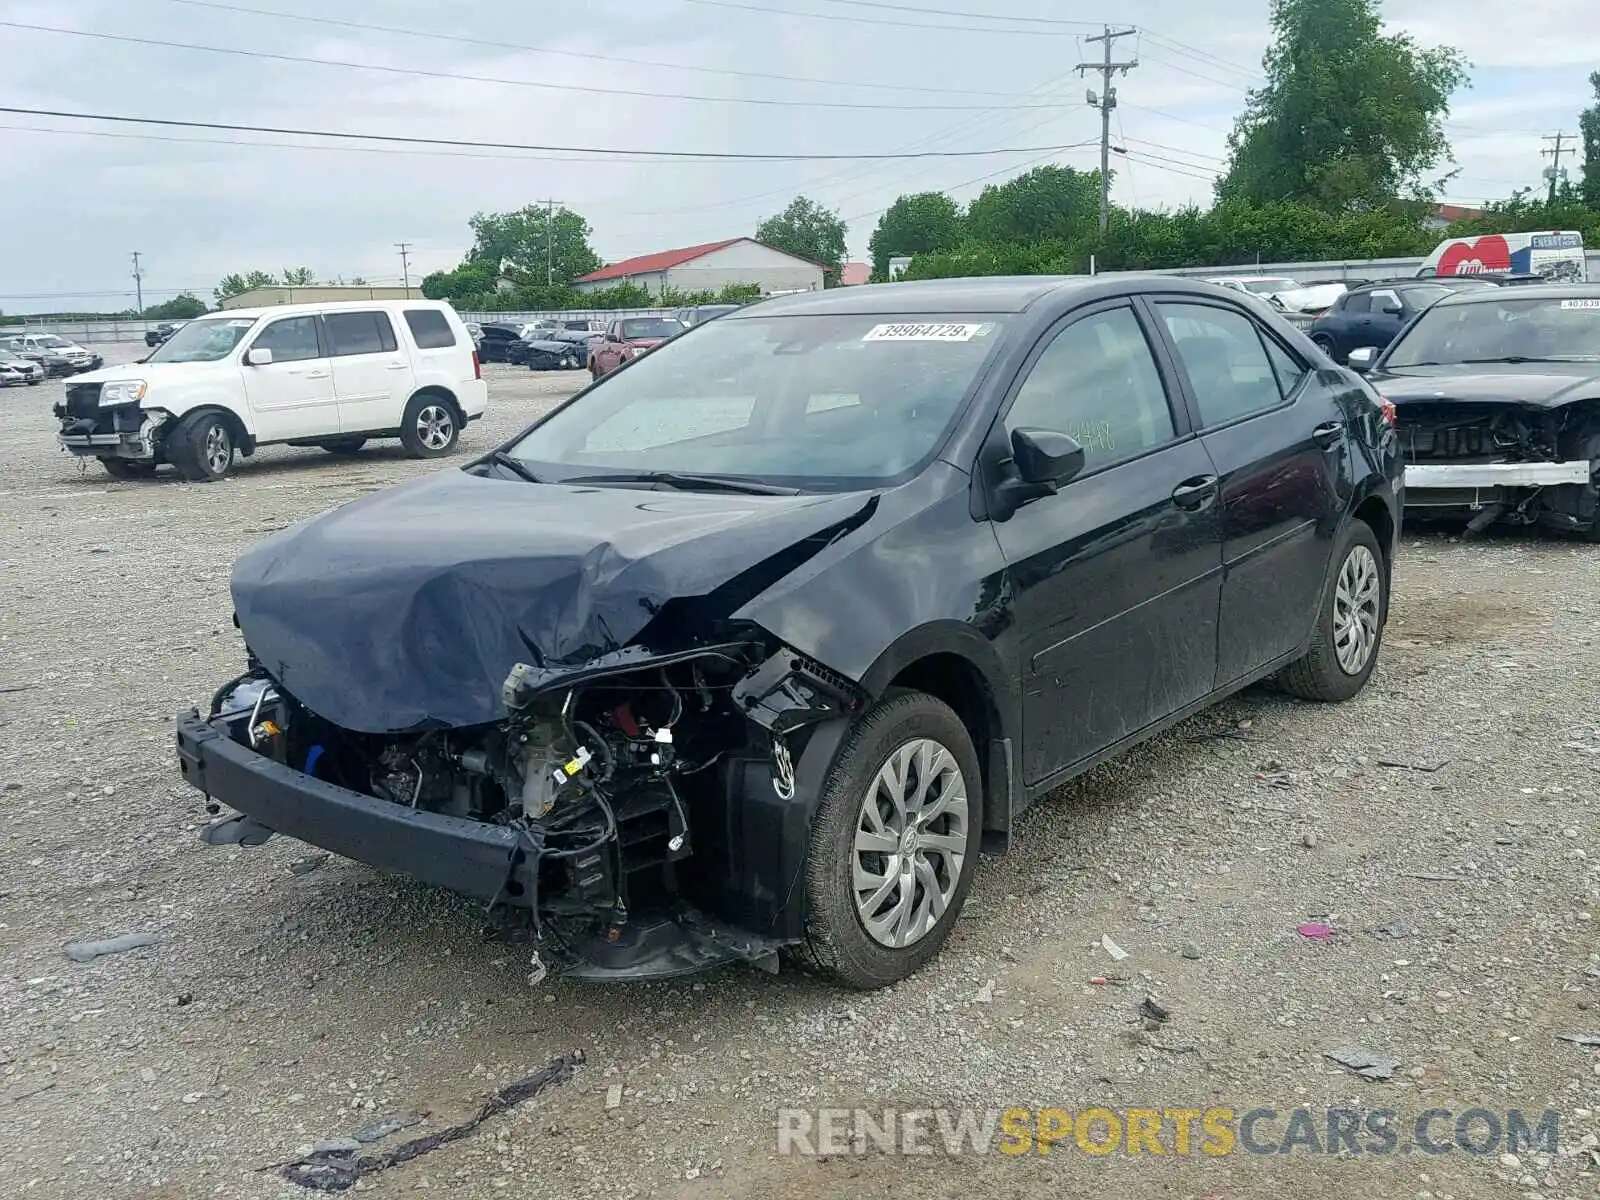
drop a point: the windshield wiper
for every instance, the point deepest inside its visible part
(1533, 358)
(689, 483)
(515, 465)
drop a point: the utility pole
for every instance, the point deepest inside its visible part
(1553, 172)
(405, 266)
(1105, 102)
(138, 284)
(550, 244)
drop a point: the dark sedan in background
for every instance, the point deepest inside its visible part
(755, 644)
(1497, 403)
(1371, 315)
(163, 331)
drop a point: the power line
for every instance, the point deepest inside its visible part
(1211, 79)
(944, 12)
(1105, 104)
(1174, 149)
(421, 73)
(646, 155)
(1198, 54)
(1191, 170)
(815, 16)
(502, 46)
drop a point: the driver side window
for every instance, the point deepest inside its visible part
(293, 339)
(1097, 381)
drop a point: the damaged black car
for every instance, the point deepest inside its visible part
(753, 646)
(1497, 406)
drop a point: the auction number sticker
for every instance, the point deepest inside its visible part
(1586, 304)
(941, 332)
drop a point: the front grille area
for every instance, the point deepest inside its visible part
(83, 399)
(1447, 432)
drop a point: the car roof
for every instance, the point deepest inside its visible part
(1545, 291)
(326, 305)
(978, 294)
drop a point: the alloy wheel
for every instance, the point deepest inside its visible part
(910, 843)
(219, 448)
(1356, 597)
(435, 427)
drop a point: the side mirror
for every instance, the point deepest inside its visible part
(1361, 359)
(259, 357)
(1392, 310)
(1045, 458)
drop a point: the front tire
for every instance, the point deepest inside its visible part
(1349, 630)
(430, 427)
(894, 843)
(201, 447)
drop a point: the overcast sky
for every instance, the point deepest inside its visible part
(77, 200)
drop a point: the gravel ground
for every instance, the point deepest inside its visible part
(291, 998)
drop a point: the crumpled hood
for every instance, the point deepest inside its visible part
(407, 609)
(1545, 385)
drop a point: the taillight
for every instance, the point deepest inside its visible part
(477, 367)
(1390, 417)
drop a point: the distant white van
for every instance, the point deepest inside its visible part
(1558, 255)
(329, 375)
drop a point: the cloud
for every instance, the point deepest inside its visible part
(199, 204)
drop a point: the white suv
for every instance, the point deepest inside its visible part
(329, 375)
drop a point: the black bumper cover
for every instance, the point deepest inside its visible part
(464, 856)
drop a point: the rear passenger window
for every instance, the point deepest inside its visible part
(1097, 382)
(359, 333)
(429, 328)
(1227, 365)
(1358, 304)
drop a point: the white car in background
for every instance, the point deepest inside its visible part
(328, 375)
(16, 370)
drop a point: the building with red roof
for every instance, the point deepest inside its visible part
(710, 268)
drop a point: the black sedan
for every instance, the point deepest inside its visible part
(499, 343)
(163, 331)
(560, 350)
(1372, 315)
(755, 644)
(1497, 401)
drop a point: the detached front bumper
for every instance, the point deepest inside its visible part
(126, 432)
(468, 857)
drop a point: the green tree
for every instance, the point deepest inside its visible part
(1589, 122)
(299, 276)
(532, 244)
(916, 224)
(236, 285)
(182, 307)
(1349, 117)
(810, 231)
(1046, 202)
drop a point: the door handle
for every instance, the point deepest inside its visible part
(1195, 493)
(397, 366)
(316, 374)
(1329, 435)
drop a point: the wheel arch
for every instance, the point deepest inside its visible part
(443, 393)
(952, 662)
(243, 439)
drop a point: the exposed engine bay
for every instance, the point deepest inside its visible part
(611, 780)
(1439, 433)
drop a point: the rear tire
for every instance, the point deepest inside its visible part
(894, 843)
(1326, 345)
(1349, 629)
(430, 427)
(127, 468)
(201, 447)
(344, 445)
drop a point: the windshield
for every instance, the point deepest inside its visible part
(805, 401)
(1502, 330)
(50, 341)
(651, 327)
(203, 341)
(1265, 287)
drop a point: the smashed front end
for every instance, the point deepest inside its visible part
(639, 783)
(1518, 463)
